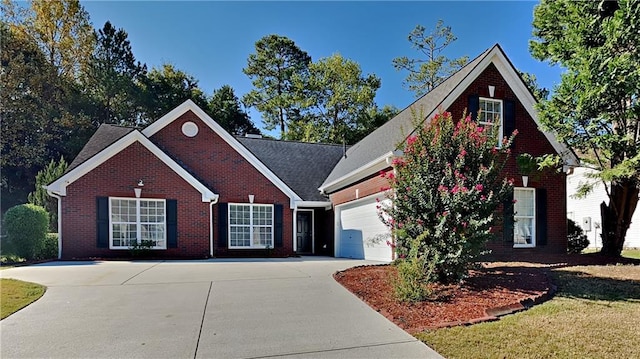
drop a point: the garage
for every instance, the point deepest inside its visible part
(359, 232)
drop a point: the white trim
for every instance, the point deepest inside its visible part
(534, 219)
(189, 105)
(498, 58)
(138, 222)
(484, 123)
(313, 204)
(251, 225)
(59, 200)
(313, 230)
(59, 186)
(370, 168)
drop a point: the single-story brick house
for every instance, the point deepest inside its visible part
(193, 190)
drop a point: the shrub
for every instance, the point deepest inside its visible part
(49, 247)
(444, 192)
(26, 227)
(414, 275)
(576, 239)
(40, 197)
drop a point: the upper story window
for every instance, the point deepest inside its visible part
(250, 225)
(135, 220)
(491, 114)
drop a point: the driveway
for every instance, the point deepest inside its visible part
(235, 308)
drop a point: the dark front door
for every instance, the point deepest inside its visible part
(304, 238)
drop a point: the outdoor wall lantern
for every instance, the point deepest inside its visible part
(138, 190)
(492, 91)
(251, 198)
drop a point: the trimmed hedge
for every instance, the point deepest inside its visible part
(27, 226)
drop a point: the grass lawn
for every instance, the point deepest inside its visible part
(17, 294)
(631, 253)
(595, 314)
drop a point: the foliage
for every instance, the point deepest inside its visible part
(335, 95)
(112, 78)
(276, 61)
(415, 272)
(141, 248)
(596, 106)
(41, 198)
(63, 32)
(527, 164)
(167, 87)
(576, 239)
(17, 294)
(434, 68)
(444, 192)
(539, 93)
(224, 107)
(26, 227)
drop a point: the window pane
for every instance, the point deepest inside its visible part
(523, 231)
(524, 205)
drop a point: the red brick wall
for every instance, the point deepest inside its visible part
(529, 140)
(118, 177)
(227, 173)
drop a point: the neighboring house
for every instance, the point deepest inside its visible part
(190, 189)
(586, 211)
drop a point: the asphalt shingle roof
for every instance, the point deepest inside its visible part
(302, 166)
(101, 139)
(392, 134)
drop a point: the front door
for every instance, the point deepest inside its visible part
(304, 232)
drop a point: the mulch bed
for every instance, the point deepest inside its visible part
(495, 289)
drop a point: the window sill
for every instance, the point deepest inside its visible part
(524, 246)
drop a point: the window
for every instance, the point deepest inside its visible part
(524, 231)
(250, 226)
(135, 220)
(490, 115)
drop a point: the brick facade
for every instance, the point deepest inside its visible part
(117, 177)
(530, 140)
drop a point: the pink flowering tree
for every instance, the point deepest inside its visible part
(444, 193)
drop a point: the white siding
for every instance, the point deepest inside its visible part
(588, 209)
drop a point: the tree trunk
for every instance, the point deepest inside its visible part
(616, 217)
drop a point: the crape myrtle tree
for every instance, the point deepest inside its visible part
(595, 109)
(443, 194)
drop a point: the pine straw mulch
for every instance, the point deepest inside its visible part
(498, 287)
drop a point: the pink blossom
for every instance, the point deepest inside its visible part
(483, 197)
(479, 187)
(455, 189)
(479, 129)
(402, 256)
(390, 175)
(445, 213)
(442, 188)
(462, 153)
(411, 140)
(464, 224)
(515, 132)
(383, 174)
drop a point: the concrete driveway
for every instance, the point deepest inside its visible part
(240, 308)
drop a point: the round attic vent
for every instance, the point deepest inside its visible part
(189, 129)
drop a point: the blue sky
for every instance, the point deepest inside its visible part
(212, 40)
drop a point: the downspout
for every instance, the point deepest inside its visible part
(59, 220)
(295, 225)
(213, 202)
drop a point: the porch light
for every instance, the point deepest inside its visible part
(251, 197)
(137, 191)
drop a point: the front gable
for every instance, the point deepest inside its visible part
(217, 158)
(59, 187)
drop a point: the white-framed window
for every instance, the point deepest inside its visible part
(134, 220)
(250, 225)
(524, 229)
(490, 115)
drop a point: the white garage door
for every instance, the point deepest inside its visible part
(360, 233)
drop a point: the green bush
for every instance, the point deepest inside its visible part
(26, 226)
(415, 272)
(49, 248)
(576, 239)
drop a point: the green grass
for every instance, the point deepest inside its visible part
(595, 314)
(17, 294)
(631, 253)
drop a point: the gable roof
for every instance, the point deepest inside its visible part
(373, 153)
(189, 105)
(301, 165)
(99, 156)
(102, 138)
